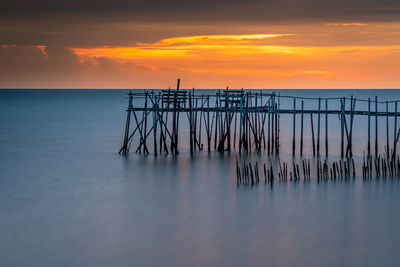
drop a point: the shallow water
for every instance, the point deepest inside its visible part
(68, 199)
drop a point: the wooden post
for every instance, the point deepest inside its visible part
(352, 106)
(395, 131)
(301, 134)
(319, 124)
(269, 131)
(145, 125)
(173, 139)
(276, 129)
(376, 126)
(312, 134)
(273, 120)
(241, 122)
(127, 124)
(208, 124)
(294, 127)
(190, 123)
(154, 123)
(387, 129)
(277, 123)
(326, 127)
(369, 126)
(342, 127)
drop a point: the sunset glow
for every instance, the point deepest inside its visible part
(261, 56)
(359, 51)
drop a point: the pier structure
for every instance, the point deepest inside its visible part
(246, 121)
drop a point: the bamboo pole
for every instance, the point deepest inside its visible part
(301, 134)
(294, 127)
(319, 124)
(326, 127)
(376, 126)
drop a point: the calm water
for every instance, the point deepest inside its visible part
(68, 199)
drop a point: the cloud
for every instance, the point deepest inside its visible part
(205, 10)
(346, 24)
(245, 55)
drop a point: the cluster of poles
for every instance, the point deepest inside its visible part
(243, 120)
(248, 173)
(226, 120)
(342, 169)
(381, 166)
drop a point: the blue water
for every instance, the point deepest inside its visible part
(68, 199)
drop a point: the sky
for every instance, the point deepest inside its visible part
(207, 44)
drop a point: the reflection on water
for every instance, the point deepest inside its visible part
(67, 198)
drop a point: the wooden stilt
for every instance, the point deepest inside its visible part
(301, 128)
(326, 127)
(319, 124)
(294, 127)
(369, 127)
(376, 126)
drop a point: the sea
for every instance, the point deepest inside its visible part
(67, 198)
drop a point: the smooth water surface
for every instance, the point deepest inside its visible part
(68, 199)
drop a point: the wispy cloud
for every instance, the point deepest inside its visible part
(245, 54)
(346, 24)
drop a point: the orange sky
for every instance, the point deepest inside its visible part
(316, 55)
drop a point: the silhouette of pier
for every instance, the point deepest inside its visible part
(246, 120)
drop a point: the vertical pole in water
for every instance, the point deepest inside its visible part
(395, 129)
(352, 106)
(216, 120)
(276, 128)
(177, 119)
(301, 135)
(145, 125)
(278, 122)
(208, 124)
(387, 130)
(376, 126)
(155, 111)
(190, 124)
(369, 126)
(294, 126)
(312, 133)
(248, 141)
(228, 119)
(342, 127)
(269, 131)
(319, 124)
(255, 125)
(128, 121)
(241, 122)
(326, 127)
(272, 128)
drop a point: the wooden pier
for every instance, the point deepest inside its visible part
(245, 120)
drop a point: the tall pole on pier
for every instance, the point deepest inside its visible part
(376, 126)
(127, 124)
(269, 127)
(319, 124)
(395, 130)
(326, 127)
(342, 127)
(301, 133)
(294, 127)
(369, 126)
(387, 129)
